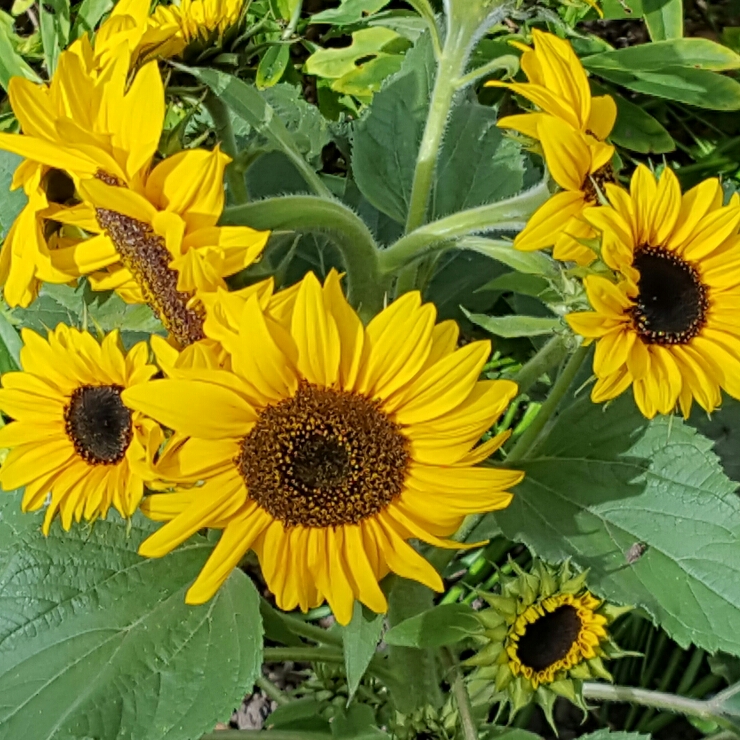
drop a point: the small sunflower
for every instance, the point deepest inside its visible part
(571, 126)
(73, 436)
(197, 21)
(166, 237)
(546, 634)
(327, 445)
(668, 326)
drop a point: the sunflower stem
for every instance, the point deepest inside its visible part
(271, 691)
(532, 433)
(222, 122)
(703, 709)
(549, 356)
(460, 693)
(310, 632)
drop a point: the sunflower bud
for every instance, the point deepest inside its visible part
(545, 635)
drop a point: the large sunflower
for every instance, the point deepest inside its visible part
(668, 326)
(328, 445)
(167, 239)
(73, 436)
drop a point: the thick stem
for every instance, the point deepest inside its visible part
(647, 698)
(366, 287)
(222, 122)
(450, 68)
(310, 632)
(271, 691)
(527, 441)
(303, 655)
(549, 357)
(462, 698)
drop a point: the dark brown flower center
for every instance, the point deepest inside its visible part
(672, 303)
(98, 424)
(324, 458)
(550, 638)
(594, 183)
(146, 257)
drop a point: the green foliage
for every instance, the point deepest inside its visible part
(54, 19)
(515, 326)
(361, 638)
(98, 642)
(606, 479)
(13, 201)
(442, 625)
(386, 140)
(663, 18)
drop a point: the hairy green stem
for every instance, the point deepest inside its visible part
(655, 699)
(271, 691)
(450, 68)
(293, 24)
(425, 10)
(549, 356)
(461, 696)
(222, 123)
(531, 434)
(366, 287)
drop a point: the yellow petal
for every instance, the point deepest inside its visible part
(566, 153)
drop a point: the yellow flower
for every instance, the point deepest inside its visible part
(327, 445)
(581, 165)
(90, 122)
(166, 236)
(558, 86)
(73, 437)
(668, 327)
(545, 633)
(195, 20)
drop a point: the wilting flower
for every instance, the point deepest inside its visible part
(73, 436)
(327, 445)
(571, 127)
(167, 239)
(205, 21)
(668, 326)
(546, 634)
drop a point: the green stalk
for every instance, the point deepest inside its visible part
(317, 634)
(461, 696)
(234, 176)
(655, 699)
(366, 288)
(293, 23)
(527, 441)
(548, 357)
(271, 691)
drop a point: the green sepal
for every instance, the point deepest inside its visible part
(598, 670)
(501, 604)
(487, 656)
(490, 618)
(612, 611)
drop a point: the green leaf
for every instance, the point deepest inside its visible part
(55, 26)
(726, 666)
(532, 263)
(416, 670)
(477, 164)
(275, 627)
(251, 106)
(442, 625)
(12, 63)
(10, 346)
(98, 641)
(664, 18)
(12, 202)
(349, 12)
(361, 638)
(273, 64)
(606, 479)
(494, 732)
(357, 722)
(656, 57)
(386, 141)
(517, 282)
(692, 86)
(368, 78)
(723, 428)
(88, 16)
(609, 735)
(622, 9)
(335, 63)
(516, 326)
(303, 715)
(637, 130)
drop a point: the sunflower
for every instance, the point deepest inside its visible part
(73, 436)
(167, 239)
(668, 325)
(558, 86)
(327, 445)
(545, 633)
(90, 121)
(197, 21)
(581, 165)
